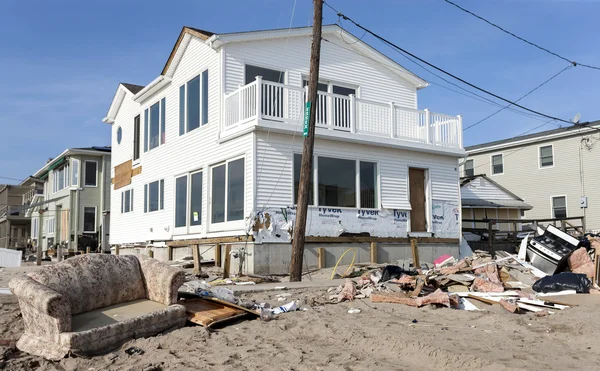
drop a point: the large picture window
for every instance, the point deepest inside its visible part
(154, 195)
(228, 191)
(337, 182)
(60, 178)
(193, 103)
(181, 201)
(188, 200)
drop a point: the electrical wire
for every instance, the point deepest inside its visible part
(528, 93)
(442, 70)
(522, 39)
(473, 95)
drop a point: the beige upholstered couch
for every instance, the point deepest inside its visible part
(92, 303)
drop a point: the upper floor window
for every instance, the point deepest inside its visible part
(136, 137)
(127, 201)
(193, 103)
(469, 170)
(497, 164)
(154, 125)
(60, 178)
(119, 135)
(546, 156)
(75, 173)
(50, 225)
(154, 196)
(559, 207)
(91, 173)
(228, 191)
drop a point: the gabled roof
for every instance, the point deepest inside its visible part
(215, 41)
(132, 87)
(535, 137)
(514, 201)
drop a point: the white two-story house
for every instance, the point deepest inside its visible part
(211, 149)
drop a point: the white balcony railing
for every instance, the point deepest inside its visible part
(285, 104)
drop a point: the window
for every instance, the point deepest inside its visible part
(546, 157)
(193, 103)
(266, 74)
(60, 178)
(297, 166)
(559, 207)
(75, 173)
(91, 173)
(497, 165)
(127, 201)
(368, 184)
(188, 213)
(89, 219)
(337, 182)
(50, 226)
(228, 191)
(136, 137)
(469, 170)
(119, 135)
(154, 125)
(154, 194)
(181, 201)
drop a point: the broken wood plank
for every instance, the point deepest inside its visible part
(218, 255)
(373, 252)
(360, 239)
(542, 303)
(208, 312)
(212, 240)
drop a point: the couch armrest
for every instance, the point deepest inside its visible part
(44, 310)
(161, 280)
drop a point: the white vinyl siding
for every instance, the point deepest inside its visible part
(275, 186)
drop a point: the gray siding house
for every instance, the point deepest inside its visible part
(554, 171)
(76, 200)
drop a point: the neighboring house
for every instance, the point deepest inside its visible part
(554, 171)
(14, 224)
(211, 149)
(76, 199)
(482, 198)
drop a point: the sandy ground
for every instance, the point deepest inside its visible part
(327, 337)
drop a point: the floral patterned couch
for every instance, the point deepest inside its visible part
(93, 303)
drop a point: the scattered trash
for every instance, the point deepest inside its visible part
(4, 291)
(289, 307)
(563, 281)
(414, 321)
(134, 351)
(354, 310)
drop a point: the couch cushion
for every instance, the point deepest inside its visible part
(114, 313)
(94, 281)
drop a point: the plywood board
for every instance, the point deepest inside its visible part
(208, 312)
(416, 178)
(123, 174)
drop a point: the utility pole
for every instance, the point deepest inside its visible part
(309, 142)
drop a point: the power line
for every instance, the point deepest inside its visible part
(444, 71)
(9, 178)
(473, 95)
(522, 39)
(528, 93)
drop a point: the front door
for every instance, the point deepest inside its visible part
(416, 179)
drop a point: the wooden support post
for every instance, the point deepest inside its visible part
(87, 250)
(491, 238)
(415, 253)
(373, 252)
(321, 256)
(117, 249)
(151, 253)
(597, 268)
(170, 253)
(299, 233)
(218, 255)
(227, 261)
(196, 255)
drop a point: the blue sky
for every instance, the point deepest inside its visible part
(62, 60)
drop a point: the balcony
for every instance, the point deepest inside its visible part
(281, 107)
